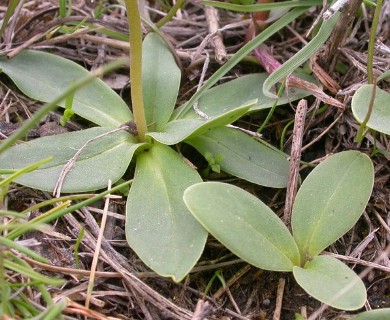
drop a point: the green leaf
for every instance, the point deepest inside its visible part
(332, 282)
(331, 200)
(178, 130)
(380, 116)
(384, 76)
(378, 314)
(244, 224)
(243, 89)
(43, 76)
(244, 157)
(240, 91)
(160, 81)
(105, 158)
(159, 227)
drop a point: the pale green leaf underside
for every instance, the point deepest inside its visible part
(380, 116)
(160, 81)
(178, 130)
(331, 200)
(103, 159)
(43, 76)
(244, 224)
(379, 314)
(331, 282)
(159, 227)
(229, 95)
(244, 157)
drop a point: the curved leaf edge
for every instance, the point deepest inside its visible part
(334, 301)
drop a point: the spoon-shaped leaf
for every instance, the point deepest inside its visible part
(380, 116)
(331, 200)
(159, 227)
(43, 76)
(378, 314)
(160, 81)
(243, 156)
(244, 224)
(178, 130)
(240, 91)
(332, 282)
(233, 93)
(105, 158)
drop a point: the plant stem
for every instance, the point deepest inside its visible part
(135, 39)
(361, 132)
(170, 14)
(271, 112)
(371, 42)
(370, 71)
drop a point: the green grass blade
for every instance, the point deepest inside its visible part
(263, 6)
(46, 218)
(237, 57)
(10, 11)
(29, 272)
(14, 245)
(20, 172)
(301, 56)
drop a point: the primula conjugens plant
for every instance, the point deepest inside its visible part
(327, 205)
(159, 227)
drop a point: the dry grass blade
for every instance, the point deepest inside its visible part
(295, 158)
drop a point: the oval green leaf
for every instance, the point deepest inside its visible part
(331, 200)
(244, 224)
(178, 130)
(331, 282)
(380, 116)
(244, 157)
(160, 81)
(159, 227)
(43, 76)
(105, 158)
(378, 314)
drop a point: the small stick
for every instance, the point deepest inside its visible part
(248, 132)
(304, 312)
(233, 302)
(212, 20)
(270, 64)
(337, 6)
(340, 32)
(201, 80)
(279, 299)
(323, 132)
(292, 184)
(232, 281)
(202, 310)
(95, 259)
